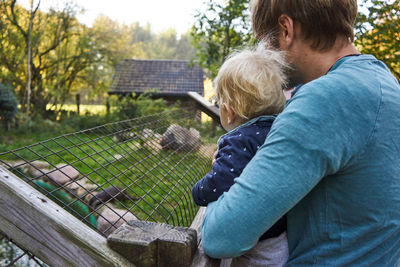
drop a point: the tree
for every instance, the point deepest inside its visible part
(378, 32)
(111, 42)
(47, 56)
(32, 14)
(184, 47)
(114, 41)
(223, 27)
(56, 47)
(163, 45)
(8, 105)
(12, 53)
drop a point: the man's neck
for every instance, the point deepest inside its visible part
(317, 63)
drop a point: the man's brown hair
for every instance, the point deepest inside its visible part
(321, 21)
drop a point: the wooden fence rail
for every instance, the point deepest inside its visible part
(200, 259)
(57, 238)
(49, 232)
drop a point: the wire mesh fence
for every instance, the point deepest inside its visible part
(143, 168)
(13, 255)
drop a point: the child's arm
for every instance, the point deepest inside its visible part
(233, 155)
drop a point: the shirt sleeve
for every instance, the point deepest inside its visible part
(312, 138)
(233, 155)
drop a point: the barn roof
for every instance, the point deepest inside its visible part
(168, 77)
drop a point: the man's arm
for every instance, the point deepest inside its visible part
(311, 139)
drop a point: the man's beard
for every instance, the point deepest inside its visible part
(293, 77)
(271, 41)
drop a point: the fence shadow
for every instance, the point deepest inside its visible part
(139, 169)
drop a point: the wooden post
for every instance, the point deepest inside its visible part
(149, 244)
(107, 106)
(198, 116)
(8, 125)
(200, 259)
(213, 128)
(208, 108)
(78, 103)
(49, 232)
(205, 105)
(154, 244)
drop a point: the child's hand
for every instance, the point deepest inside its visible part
(214, 156)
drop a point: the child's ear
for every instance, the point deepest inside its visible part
(231, 114)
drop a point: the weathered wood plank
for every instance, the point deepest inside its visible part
(205, 106)
(52, 234)
(197, 221)
(200, 258)
(150, 244)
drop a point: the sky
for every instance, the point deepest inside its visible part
(161, 14)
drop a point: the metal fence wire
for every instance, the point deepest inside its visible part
(143, 168)
(13, 255)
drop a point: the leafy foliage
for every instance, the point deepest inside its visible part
(378, 32)
(131, 106)
(69, 57)
(40, 128)
(8, 105)
(224, 26)
(60, 52)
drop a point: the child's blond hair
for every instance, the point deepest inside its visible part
(251, 82)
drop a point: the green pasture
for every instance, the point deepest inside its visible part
(83, 108)
(160, 180)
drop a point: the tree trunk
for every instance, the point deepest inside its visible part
(28, 71)
(29, 57)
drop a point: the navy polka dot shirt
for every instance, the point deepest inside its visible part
(235, 150)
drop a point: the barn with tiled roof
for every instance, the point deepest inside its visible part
(170, 78)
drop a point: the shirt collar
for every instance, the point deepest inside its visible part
(250, 122)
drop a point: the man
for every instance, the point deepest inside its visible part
(332, 158)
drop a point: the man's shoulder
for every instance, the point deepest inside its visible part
(356, 81)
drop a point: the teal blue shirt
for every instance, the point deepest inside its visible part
(332, 163)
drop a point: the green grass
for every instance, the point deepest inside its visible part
(162, 180)
(92, 109)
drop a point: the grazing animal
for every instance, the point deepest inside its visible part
(76, 208)
(110, 194)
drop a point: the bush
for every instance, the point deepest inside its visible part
(8, 105)
(72, 122)
(131, 106)
(38, 124)
(125, 107)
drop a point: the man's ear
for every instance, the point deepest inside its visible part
(231, 114)
(286, 31)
